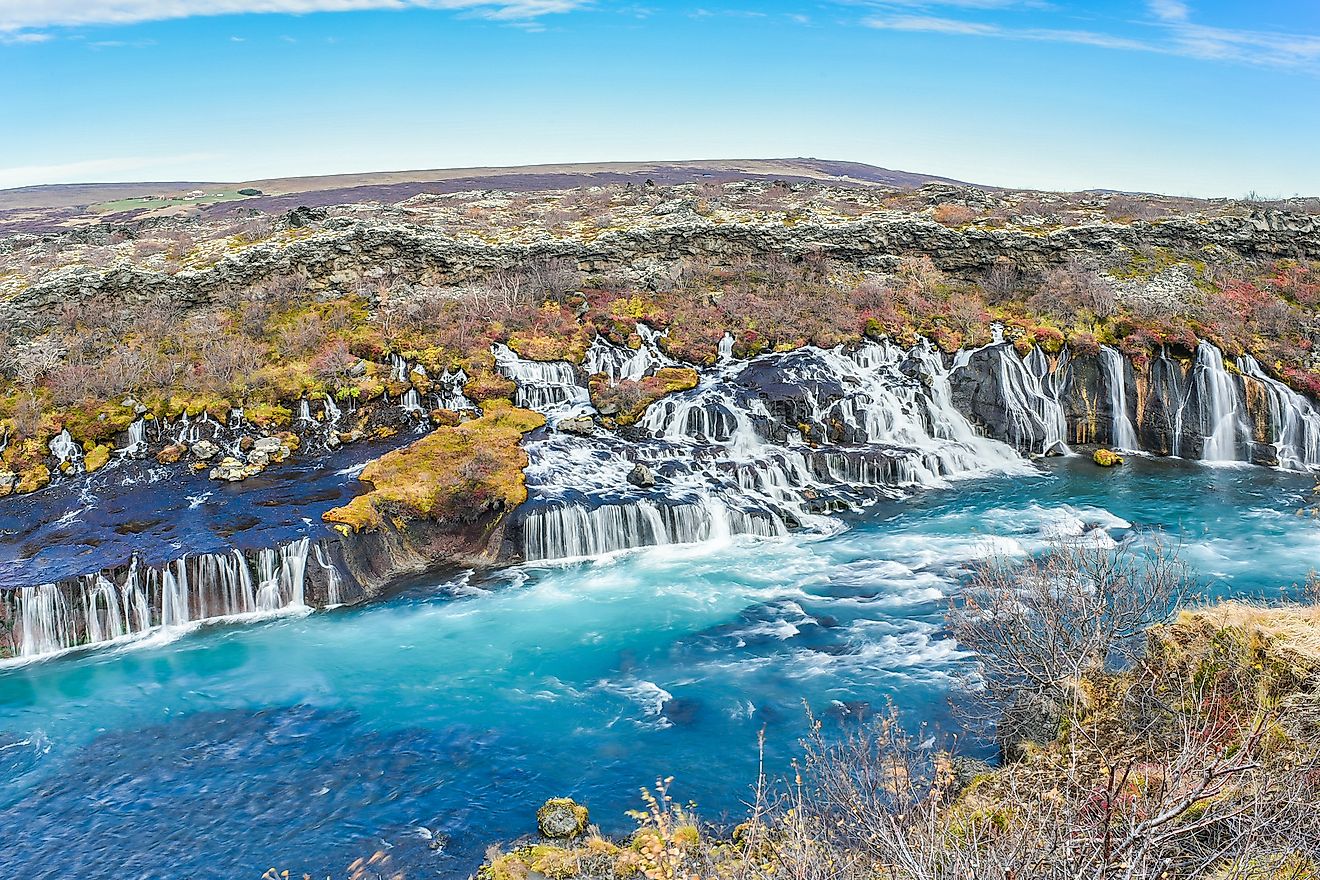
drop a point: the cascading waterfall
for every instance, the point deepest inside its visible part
(334, 583)
(549, 387)
(448, 390)
(94, 609)
(137, 437)
(398, 368)
(411, 402)
(1031, 397)
(758, 447)
(65, 450)
(625, 364)
(1218, 417)
(1122, 433)
(1293, 420)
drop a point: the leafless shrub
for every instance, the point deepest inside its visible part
(1073, 288)
(30, 360)
(302, 334)
(1077, 610)
(1003, 280)
(149, 247)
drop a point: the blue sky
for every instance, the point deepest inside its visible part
(1202, 97)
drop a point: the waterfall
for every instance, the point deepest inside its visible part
(398, 368)
(1122, 433)
(1035, 392)
(574, 531)
(1214, 397)
(411, 402)
(549, 387)
(334, 583)
(624, 364)
(305, 412)
(96, 609)
(726, 347)
(44, 624)
(449, 391)
(137, 438)
(332, 412)
(1294, 421)
(65, 450)
(1017, 401)
(759, 447)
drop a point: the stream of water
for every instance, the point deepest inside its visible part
(306, 741)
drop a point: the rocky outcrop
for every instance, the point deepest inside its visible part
(347, 251)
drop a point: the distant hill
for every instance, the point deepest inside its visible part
(393, 186)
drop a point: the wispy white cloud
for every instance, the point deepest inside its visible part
(1271, 48)
(95, 169)
(23, 37)
(1170, 10)
(930, 24)
(1169, 29)
(28, 16)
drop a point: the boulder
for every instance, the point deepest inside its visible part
(171, 454)
(258, 458)
(641, 476)
(230, 470)
(561, 819)
(268, 445)
(8, 479)
(1106, 457)
(582, 426)
(205, 450)
(1030, 723)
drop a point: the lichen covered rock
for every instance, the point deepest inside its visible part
(561, 819)
(1106, 457)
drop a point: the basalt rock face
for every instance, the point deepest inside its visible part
(347, 251)
(377, 558)
(1200, 407)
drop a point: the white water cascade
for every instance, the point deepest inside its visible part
(1032, 398)
(94, 609)
(65, 450)
(759, 447)
(552, 388)
(1214, 400)
(1123, 435)
(137, 438)
(411, 402)
(331, 411)
(625, 364)
(1294, 421)
(448, 390)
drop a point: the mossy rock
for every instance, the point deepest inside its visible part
(98, 456)
(32, 479)
(452, 473)
(171, 454)
(561, 819)
(1106, 458)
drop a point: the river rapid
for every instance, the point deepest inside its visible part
(306, 740)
